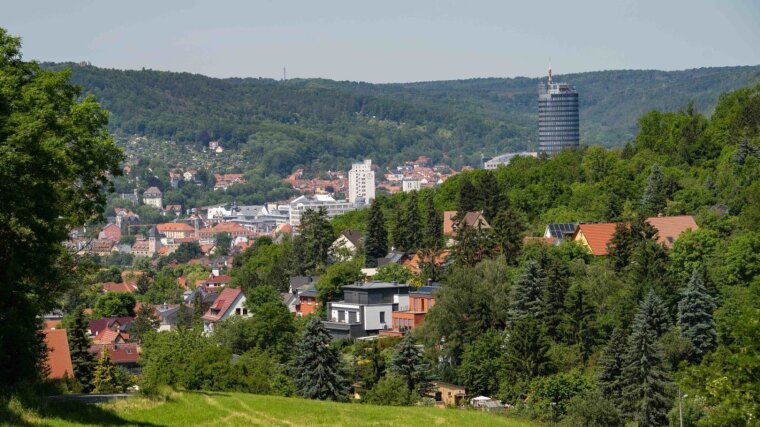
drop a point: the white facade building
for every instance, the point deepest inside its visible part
(334, 207)
(361, 182)
(504, 159)
(409, 185)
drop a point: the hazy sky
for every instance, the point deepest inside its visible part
(388, 41)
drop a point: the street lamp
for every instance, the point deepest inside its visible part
(680, 406)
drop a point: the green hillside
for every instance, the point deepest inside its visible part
(324, 124)
(239, 409)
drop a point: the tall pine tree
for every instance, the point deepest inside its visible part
(695, 316)
(398, 236)
(468, 198)
(376, 242)
(527, 293)
(82, 361)
(491, 198)
(408, 364)
(318, 373)
(433, 230)
(655, 196)
(508, 230)
(609, 376)
(412, 223)
(104, 379)
(527, 352)
(645, 378)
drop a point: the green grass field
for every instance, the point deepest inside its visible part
(239, 409)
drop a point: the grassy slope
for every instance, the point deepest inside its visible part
(239, 409)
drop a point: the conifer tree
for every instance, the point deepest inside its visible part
(184, 317)
(82, 361)
(527, 352)
(198, 311)
(398, 236)
(609, 376)
(104, 380)
(645, 379)
(621, 246)
(508, 230)
(655, 314)
(143, 284)
(655, 195)
(744, 150)
(649, 268)
(579, 321)
(376, 242)
(145, 322)
(433, 230)
(408, 364)
(318, 373)
(491, 198)
(527, 293)
(470, 245)
(468, 198)
(554, 297)
(695, 316)
(412, 223)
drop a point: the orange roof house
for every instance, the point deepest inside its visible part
(473, 219)
(669, 228)
(58, 355)
(596, 237)
(413, 263)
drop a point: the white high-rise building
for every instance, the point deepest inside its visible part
(361, 182)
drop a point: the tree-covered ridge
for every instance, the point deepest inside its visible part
(324, 124)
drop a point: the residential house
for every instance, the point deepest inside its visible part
(230, 302)
(416, 262)
(175, 178)
(408, 318)
(168, 314)
(208, 235)
(224, 181)
(58, 355)
(176, 230)
(153, 197)
(129, 287)
(366, 309)
(124, 355)
(103, 247)
(597, 237)
(560, 232)
(345, 246)
(393, 257)
(125, 216)
(189, 175)
(473, 219)
(115, 324)
(110, 232)
(149, 247)
(307, 301)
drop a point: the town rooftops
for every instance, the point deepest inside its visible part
(175, 226)
(598, 236)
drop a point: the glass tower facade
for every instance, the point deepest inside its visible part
(558, 124)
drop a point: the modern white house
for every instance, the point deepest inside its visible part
(366, 309)
(410, 184)
(230, 302)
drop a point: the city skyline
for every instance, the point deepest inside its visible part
(399, 42)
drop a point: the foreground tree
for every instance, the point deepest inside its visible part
(508, 230)
(645, 379)
(318, 373)
(145, 322)
(655, 196)
(104, 379)
(433, 229)
(55, 157)
(376, 243)
(82, 361)
(527, 293)
(609, 377)
(695, 316)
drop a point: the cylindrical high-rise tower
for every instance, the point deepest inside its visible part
(558, 124)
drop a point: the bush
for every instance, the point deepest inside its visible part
(591, 409)
(390, 390)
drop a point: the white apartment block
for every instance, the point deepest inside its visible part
(333, 207)
(409, 185)
(361, 182)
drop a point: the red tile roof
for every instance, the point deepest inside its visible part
(221, 279)
(58, 355)
(128, 287)
(598, 236)
(222, 304)
(175, 226)
(670, 227)
(119, 353)
(474, 219)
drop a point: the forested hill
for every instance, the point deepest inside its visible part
(326, 123)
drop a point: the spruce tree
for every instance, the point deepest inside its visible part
(508, 230)
(376, 242)
(645, 379)
(408, 364)
(433, 230)
(143, 284)
(744, 150)
(468, 248)
(609, 376)
(621, 246)
(527, 293)
(655, 196)
(557, 284)
(398, 236)
(656, 314)
(579, 321)
(198, 311)
(412, 223)
(145, 322)
(184, 317)
(317, 369)
(468, 198)
(527, 350)
(649, 268)
(491, 198)
(104, 380)
(695, 316)
(82, 361)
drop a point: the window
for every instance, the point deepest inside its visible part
(245, 312)
(382, 317)
(237, 311)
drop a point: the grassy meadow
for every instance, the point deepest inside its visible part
(240, 409)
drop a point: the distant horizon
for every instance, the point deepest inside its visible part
(390, 83)
(391, 42)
